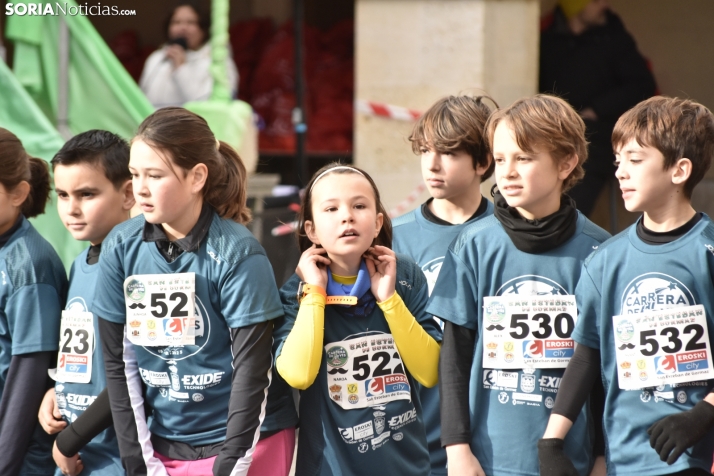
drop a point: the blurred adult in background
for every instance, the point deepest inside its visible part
(589, 59)
(179, 71)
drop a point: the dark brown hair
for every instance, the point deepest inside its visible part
(455, 124)
(385, 234)
(186, 138)
(97, 148)
(678, 128)
(17, 166)
(549, 122)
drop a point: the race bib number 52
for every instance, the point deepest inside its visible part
(365, 371)
(528, 331)
(160, 309)
(662, 347)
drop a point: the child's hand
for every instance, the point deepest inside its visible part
(312, 267)
(49, 414)
(71, 466)
(382, 267)
(462, 462)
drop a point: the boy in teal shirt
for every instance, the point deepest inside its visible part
(455, 160)
(94, 194)
(645, 300)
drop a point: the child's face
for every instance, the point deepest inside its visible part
(449, 175)
(530, 182)
(162, 191)
(345, 219)
(645, 184)
(88, 203)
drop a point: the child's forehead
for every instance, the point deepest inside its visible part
(83, 171)
(143, 154)
(341, 185)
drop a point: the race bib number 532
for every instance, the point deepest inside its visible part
(662, 347)
(528, 331)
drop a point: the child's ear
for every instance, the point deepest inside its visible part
(380, 222)
(199, 174)
(310, 232)
(566, 166)
(128, 200)
(482, 169)
(19, 194)
(681, 171)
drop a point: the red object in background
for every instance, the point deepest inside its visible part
(126, 48)
(329, 74)
(248, 41)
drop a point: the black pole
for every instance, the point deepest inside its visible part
(298, 118)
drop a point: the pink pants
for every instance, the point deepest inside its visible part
(273, 456)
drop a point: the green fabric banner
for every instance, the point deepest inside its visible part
(20, 115)
(102, 95)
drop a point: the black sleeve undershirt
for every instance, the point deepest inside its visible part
(112, 337)
(580, 376)
(95, 419)
(25, 387)
(252, 362)
(457, 351)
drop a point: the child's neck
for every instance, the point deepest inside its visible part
(345, 265)
(457, 210)
(184, 224)
(671, 216)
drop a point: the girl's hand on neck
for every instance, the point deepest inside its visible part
(382, 266)
(312, 267)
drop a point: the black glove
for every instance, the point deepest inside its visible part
(680, 431)
(552, 458)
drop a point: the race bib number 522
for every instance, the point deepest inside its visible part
(160, 309)
(662, 347)
(528, 331)
(365, 371)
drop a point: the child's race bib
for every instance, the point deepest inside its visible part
(74, 360)
(662, 347)
(160, 309)
(365, 371)
(528, 331)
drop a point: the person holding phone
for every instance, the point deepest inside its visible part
(179, 71)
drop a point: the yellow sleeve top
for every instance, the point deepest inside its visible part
(299, 360)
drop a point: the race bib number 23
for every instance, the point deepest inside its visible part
(528, 331)
(74, 359)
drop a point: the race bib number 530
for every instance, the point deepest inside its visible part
(365, 371)
(160, 309)
(662, 347)
(528, 331)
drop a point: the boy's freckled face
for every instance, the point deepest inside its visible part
(528, 181)
(448, 175)
(87, 202)
(644, 182)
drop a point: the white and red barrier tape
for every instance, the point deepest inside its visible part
(386, 110)
(405, 204)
